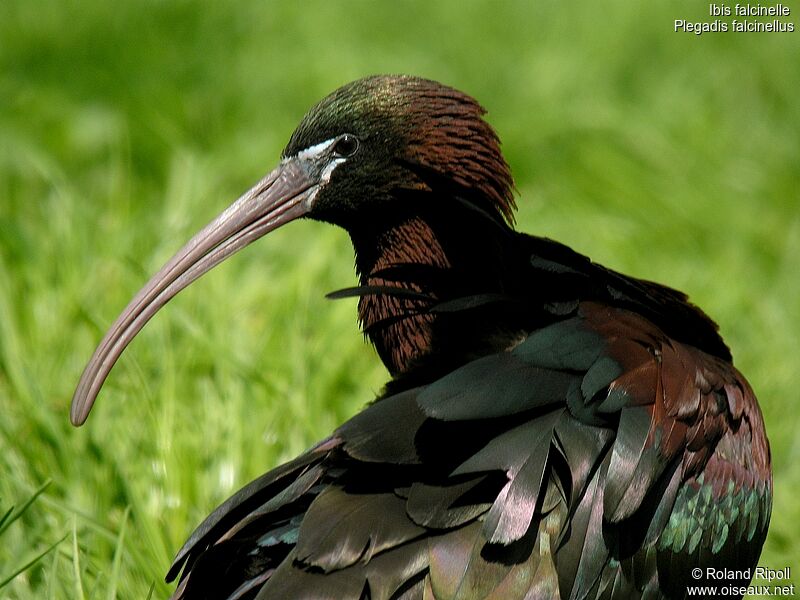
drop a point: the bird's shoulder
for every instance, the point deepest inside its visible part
(559, 277)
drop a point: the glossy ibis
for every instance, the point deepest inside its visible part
(552, 428)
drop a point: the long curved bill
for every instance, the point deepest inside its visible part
(282, 196)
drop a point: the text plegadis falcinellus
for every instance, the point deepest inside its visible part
(552, 429)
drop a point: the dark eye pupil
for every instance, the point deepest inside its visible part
(346, 145)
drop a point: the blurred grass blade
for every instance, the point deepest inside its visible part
(5, 522)
(5, 516)
(117, 562)
(8, 518)
(76, 561)
(53, 579)
(8, 579)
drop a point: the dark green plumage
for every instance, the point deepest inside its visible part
(552, 429)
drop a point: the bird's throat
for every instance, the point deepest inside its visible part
(409, 256)
(438, 255)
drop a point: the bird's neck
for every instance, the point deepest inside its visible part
(448, 255)
(400, 328)
(438, 257)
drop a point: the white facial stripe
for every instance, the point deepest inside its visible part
(311, 153)
(315, 150)
(323, 179)
(326, 172)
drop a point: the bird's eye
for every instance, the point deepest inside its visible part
(346, 146)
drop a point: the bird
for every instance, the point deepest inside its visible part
(551, 428)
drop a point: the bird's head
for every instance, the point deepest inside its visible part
(357, 155)
(378, 137)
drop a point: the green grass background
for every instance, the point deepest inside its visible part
(125, 126)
